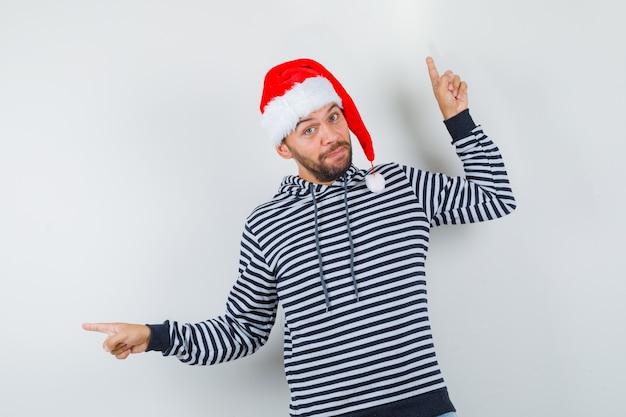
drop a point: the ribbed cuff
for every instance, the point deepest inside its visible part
(460, 125)
(159, 337)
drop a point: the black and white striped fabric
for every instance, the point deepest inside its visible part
(360, 353)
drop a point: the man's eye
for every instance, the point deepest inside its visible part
(309, 131)
(334, 117)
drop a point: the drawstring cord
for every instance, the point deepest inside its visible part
(345, 203)
(319, 252)
(317, 246)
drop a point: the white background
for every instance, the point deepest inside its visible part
(131, 153)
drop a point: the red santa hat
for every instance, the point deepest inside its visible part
(295, 89)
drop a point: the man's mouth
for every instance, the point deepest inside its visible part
(335, 152)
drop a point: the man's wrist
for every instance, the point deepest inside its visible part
(159, 337)
(460, 125)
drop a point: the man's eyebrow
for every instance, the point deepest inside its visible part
(330, 110)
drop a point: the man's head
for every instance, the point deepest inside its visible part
(308, 115)
(320, 145)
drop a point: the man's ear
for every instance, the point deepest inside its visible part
(284, 151)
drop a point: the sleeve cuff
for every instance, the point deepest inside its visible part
(159, 337)
(460, 125)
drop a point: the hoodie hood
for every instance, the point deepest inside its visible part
(294, 186)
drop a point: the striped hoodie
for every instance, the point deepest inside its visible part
(347, 266)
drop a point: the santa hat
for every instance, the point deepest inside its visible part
(295, 89)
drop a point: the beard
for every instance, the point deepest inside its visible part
(322, 170)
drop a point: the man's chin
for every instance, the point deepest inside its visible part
(336, 172)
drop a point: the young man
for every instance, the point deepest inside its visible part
(342, 250)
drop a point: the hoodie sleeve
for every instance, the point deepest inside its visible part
(242, 330)
(484, 193)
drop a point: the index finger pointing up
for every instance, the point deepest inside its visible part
(432, 70)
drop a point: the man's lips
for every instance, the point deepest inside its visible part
(334, 153)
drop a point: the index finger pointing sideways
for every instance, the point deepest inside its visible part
(99, 327)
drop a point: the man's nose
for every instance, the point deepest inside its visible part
(328, 133)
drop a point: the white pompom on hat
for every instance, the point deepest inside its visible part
(295, 89)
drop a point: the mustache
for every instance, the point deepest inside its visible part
(335, 147)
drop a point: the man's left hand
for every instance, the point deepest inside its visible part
(450, 91)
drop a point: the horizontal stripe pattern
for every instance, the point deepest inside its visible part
(363, 353)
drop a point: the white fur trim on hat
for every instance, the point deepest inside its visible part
(282, 114)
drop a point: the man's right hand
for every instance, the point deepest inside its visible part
(122, 338)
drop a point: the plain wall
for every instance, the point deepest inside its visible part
(131, 153)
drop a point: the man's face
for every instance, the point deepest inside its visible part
(320, 145)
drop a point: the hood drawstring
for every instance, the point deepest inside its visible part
(345, 203)
(319, 252)
(317, 246)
